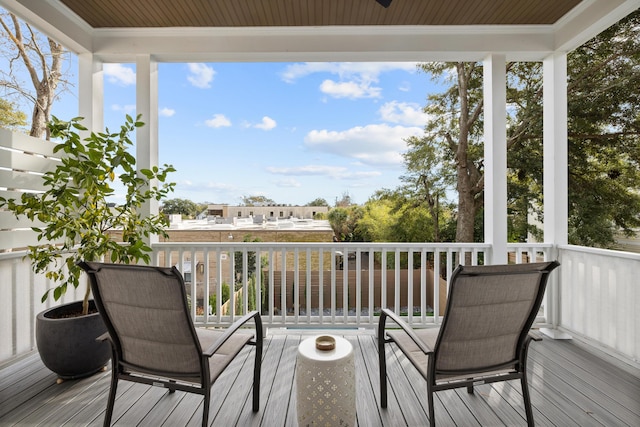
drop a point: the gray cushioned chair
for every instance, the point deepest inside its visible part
(153, 338)
(485, 332)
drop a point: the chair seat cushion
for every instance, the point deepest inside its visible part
(411, 349)
(226, 353)
(420, 360)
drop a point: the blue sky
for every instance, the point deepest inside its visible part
(292, 132)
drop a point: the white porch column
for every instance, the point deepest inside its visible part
(556, 174)
(556, 163)
(495, 156)
(147, 136)
(91, 92)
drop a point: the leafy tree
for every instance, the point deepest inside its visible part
(344, 201)
(392, 216)
(604, 153)
(42, 58)
(251, 260)
(377, 220)
(344, 223)
(318, 202)
(257, 201)
(603, 123)
(184, 207)
(451, 149)
(604, 146)
(427, 181)
(10, 118)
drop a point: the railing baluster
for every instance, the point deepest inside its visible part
(345, 286)
(321, 285)
(358, 295)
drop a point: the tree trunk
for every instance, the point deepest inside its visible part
(36, 59)
(464, 168)
(40, 115)
(470, 183)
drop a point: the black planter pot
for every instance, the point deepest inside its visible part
(68, 346)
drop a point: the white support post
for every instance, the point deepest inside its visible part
(495, 157)
(556, 173)
(147, 136)
(555, 135)
(91, 92)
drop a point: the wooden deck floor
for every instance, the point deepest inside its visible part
(569, 387)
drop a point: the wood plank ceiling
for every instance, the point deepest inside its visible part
(268, 13)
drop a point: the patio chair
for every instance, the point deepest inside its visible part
(484, 336)
(153, 339)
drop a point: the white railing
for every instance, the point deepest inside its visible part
(20, 300)
(599, 299)
(333, 285)
(594, 296)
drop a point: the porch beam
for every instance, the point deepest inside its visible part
(495, 155)
(147, 135)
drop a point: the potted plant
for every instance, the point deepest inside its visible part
(78, 220)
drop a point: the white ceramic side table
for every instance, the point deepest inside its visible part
(326, 384)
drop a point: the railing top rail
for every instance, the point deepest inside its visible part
(12, 255)
(601, 252)
(530, 245)
(346, 245)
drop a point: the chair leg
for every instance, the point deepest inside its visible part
(257, 364)
(432, 415)
(382, 363)
(171, 389)
(205, 409)
(112, 396)
(527, 399)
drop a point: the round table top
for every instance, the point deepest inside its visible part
(308, 350)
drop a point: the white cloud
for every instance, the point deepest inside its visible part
(351, 90)
(355, 79)
(218, 121)
(267, 123)
(336, 172)
(166, 112)
(288, 183)
(405, 113)
(371, 144)
(201, 75)
(307, 170)
(205, 187)
(127, 109)
(119, 74)
(345, 70)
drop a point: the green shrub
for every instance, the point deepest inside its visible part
(226, 294)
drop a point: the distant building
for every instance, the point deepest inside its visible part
(267, 213)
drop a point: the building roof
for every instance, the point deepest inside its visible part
(288, 224)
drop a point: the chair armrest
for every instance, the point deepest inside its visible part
(104, 337)
(405, 327)
(232, 329)
(535, 335)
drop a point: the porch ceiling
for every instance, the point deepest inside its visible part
(286, 13)
(320, 30)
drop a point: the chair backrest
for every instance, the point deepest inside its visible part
(490, 310)
(145, 311)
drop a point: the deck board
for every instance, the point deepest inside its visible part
(569, 387)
